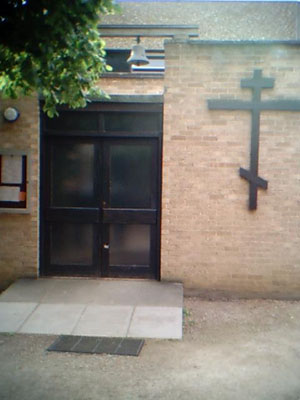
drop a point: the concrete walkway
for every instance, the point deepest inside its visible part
(112, 308)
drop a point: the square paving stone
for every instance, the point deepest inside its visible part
(98, 320)
(71, 291)
(13, 315)
(53, 319)
(26, 291)
(156, 322)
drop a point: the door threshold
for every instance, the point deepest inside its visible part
(98, 278)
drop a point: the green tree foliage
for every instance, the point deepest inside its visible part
(52, 47)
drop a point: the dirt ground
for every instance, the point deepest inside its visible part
(237, 350)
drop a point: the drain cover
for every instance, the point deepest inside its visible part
(97, 345)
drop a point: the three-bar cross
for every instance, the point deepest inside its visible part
(255, 105)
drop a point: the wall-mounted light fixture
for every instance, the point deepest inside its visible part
(11, 114)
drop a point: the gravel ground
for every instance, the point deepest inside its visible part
(245, 350)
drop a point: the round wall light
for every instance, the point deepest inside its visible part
(11, 114)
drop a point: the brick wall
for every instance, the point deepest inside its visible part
(19, 232)
(210, 240)
(129, 86)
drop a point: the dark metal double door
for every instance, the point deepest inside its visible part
(101, 207)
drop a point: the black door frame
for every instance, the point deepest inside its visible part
(128, 106)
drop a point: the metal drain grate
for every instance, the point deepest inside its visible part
(97, 345)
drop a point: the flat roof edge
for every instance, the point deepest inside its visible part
(237, 42)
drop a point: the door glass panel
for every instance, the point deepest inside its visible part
(129, 245)
(72, 175)
(130, 176)
(131, 122)
(71, 244)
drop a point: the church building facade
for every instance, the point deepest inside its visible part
(189, 172)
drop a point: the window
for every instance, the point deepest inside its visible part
(156, 63)
(14, 187)
(117, 59)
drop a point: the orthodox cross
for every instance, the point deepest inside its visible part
(255, 105)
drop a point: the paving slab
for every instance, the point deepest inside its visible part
(72, 291)
(93, 307)
(98, 320)
(53, 319)
(156, 322)
(13, 315)
(27, 290)
(139, 293)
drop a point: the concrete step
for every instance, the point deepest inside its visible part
(91, 307)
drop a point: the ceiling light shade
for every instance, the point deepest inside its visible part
(11, 114)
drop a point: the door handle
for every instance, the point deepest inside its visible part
(106, 246)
